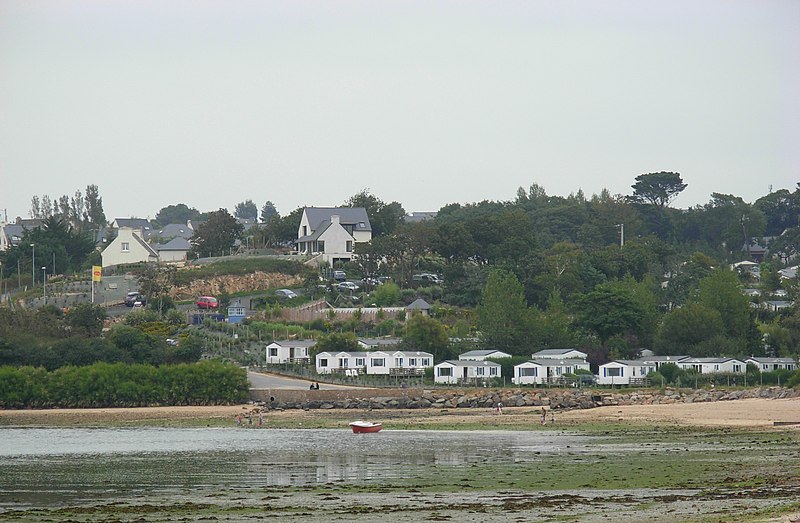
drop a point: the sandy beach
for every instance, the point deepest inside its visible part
(747, 413)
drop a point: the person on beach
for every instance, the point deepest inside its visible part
(238, 420)
(544, 415)
(260, 419)
(498, 408)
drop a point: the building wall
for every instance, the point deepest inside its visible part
(114, 255)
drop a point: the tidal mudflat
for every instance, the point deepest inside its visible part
(300, 475)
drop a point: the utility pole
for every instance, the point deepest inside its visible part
(621, 234)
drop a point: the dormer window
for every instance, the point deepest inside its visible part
(362, 225)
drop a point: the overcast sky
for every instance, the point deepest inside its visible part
(209, 103)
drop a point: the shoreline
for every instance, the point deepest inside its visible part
(743, 414)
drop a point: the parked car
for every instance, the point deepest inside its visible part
(428, 278)
(207, 302)
(132, 297)
(339, 275)
(347, 286)
(286, 293)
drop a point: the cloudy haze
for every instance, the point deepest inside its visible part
(305, 103)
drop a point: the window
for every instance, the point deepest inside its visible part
(426, 362)
(492, 371)
(445, 371)
(362, 225)
(126, 247)
(612, 371)
(737, 368)
(479, 371)
(305, 230)
(273, 351)
(323, 362)
(529, 371)
(349, 246)
(412, 362)
(360, 362)
(377, 362)
(343, 362)
(716, 367)
(398, 362)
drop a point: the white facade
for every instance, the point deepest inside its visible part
(332, 233)
(128, 247)
(451, 372)
(540, 371)
(558, 354)
(481, 355)
(374, 362)
(621, 372)
(713, 365)
(771, 364)
(289, 351)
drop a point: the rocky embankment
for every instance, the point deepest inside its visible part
(551, 398)
(255, 281)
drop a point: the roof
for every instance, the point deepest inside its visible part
(555, 352)
(419, 216)
(546, 362)
(470, 363)
(663, 359)
(631, 363)
(375, 342)
(415, 354)
(175, 244)
(419, 304)
(770, 360)
(709, 360)
(295, 343)
(133, 223)
(175, 230)
(347, 216)
(480, 353)
(144, 244)
(317, 232)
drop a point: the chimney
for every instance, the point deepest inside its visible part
(334, 219)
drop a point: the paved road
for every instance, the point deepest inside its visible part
(260, 380)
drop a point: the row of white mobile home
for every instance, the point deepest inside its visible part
(626, 372)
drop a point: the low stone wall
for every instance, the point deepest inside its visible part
(415, 398)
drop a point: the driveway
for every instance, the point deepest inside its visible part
(264, 380)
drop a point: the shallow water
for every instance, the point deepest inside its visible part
(50, 466)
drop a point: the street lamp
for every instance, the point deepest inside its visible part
(33, 265)
(44, 284)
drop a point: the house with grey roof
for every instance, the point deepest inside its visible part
(419, 305)
(771, 364)
(330, 234)
(175, 250)
(480, 355)
(558, 354)
(452, 372)
(128, 247)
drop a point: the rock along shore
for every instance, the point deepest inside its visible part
(553, 398)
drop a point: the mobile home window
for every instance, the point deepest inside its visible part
(273, 351)
(492, 371)
(479, 371)
(445, 371)
(343, 362)
(323, 362)
(360, 362)
(377, 362)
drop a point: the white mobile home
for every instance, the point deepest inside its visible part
(480, 355)
(771, 364)
(559, 354)
(545, 370)
(344, 362)
(713, 365)
(289, 351)
(452, 372)
(624, 372)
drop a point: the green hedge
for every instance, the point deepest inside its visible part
(123, 385)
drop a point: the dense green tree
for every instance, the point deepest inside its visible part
(337, 342)
(610, 310)
(657, 189)
(216, 236)
(281, 230)
(684, 328)
(94, 214)
(503, 317)
(180, 213)
(383, 217)
(386, 295)
(781, 210)
(246, 210)
(268, 212)
(721, 291)
(426, 334)
(86, 319)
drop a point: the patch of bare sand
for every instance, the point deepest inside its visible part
(739, 413)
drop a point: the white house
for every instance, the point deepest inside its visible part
(658, 361)
(624, 372)
(770, 364)
(128, 247)
(378, 343)
(480, 355)
(458, 371)
(712, 365)
(558, 354)
(176, 250)
(544, 370)
(345, 362)
(330, 233)
(289, 351)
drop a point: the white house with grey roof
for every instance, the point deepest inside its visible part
(452, 372)
(545, 370)
(289, 351)
(128, 247)
(175, 250)
(713, 365)
(624, 372)
(387, 362)
(331, 233)
(481, 355)
(772, 364)
(558, 354)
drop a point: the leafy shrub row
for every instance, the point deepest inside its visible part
(122, 385)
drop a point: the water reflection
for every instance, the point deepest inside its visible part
(51, 465)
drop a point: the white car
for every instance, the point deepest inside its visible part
(286, 293)
(347, 286)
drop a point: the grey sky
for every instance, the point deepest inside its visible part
(211, 102)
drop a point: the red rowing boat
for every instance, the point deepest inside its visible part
(363, 427)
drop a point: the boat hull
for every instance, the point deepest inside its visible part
(365, 427)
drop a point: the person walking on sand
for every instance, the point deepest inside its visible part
(499, 408)
(544, 415)
(238, 420)
(260, 419)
